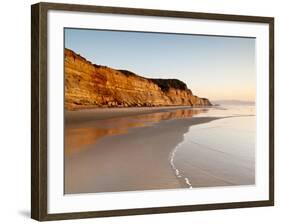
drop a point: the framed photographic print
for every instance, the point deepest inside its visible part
(139, 111)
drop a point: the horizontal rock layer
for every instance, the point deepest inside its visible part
(88, 85)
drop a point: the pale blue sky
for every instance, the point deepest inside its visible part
(211, 66)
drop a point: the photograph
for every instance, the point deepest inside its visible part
(140, 111)
(153, 111)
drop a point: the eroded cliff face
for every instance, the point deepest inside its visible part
(89, 85)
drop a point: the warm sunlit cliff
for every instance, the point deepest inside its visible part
(89, 85)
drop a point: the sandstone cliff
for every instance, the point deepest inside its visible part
(89, 85)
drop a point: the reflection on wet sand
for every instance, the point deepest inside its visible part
(87, 133)
(126, 154)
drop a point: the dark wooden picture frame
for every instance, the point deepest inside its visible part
(39, 148)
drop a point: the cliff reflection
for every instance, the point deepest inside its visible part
(78, 137)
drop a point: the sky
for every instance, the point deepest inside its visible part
(215, 67)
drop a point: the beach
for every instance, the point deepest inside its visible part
(80, 116)
(153, 148)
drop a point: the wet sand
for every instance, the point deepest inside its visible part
(131, 149)
(78, 116)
